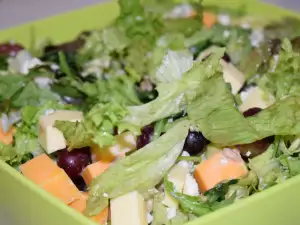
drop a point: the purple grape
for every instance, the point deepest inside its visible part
(80, 184)
(258, 147)
(75, 161)
(251, 112)
(145, 137)
(10, 49)
(195, 143)
(226, 58)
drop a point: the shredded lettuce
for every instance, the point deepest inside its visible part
(26, 136)
(141, 170)
(174, 96)
(188, 204)
(159, 211)
(283, 77)
(173, 66)
(97, 126)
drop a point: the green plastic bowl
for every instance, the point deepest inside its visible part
(27, 204)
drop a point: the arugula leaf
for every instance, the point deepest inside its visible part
(218, 193)
(33, 95)
(140, 171)
(10, 85)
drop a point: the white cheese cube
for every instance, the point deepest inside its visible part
(50, 137)
(256, 99)
(190, 186)
(230, 73)
(233, 76)
(177, 176)
(128, 209)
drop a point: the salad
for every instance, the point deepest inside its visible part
(171, 112)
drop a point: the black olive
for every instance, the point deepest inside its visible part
(195, 143)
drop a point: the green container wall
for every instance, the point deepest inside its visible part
(27, 204)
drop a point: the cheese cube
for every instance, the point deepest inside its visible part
(93, 170)
(177, 176)
(256, 99)
(230, 73)
(233, 76)
(224, 165)
(40, 169)
(128, 209)
(50, 137)
(80, 205)
(62, 187)
(125, 142)
(45, 173)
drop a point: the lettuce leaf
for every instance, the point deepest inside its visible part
(174, 96)
(283, 77)
(140, 171)
(222, 123)
(26, 137)
(159, 211)
(97, 126)
(188, 204)
(174, 65)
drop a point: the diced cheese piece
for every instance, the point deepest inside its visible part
(125, 142)
(50, 137)
(128, 209)
(190, 186)
(45, 173)
(93, 170)
(6, 137)
(256, 99)
(177, 176)
(80, 206)
(40, 169)
(233, 76)
(230, 73)
(224, 165)
(62, 187)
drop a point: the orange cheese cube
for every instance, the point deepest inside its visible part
(40, 169)
(80, 205)
(62, 187)
(209, 19)
(6, 138)
(125, 142)
(93, 170)
(223, 165)
(45, 173)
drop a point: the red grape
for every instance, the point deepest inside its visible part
(10, 49)
(258, 147)
(145, 137)
(251, 112)
(195, 143)
(75, 161)
(80, 184)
